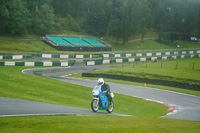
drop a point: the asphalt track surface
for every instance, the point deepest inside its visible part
(184, 106)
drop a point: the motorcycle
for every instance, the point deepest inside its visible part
(100, 100)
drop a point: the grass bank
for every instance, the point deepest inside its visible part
(152, 45)
(15, 84)
(188, 70)
(97, 124)
(33, 43)
(25, 46)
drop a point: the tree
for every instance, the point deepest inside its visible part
(43, 21)
(162, 14)
(62, 7)
(96, 21)
(145, 19)
(15, 17)
(198, 24)
(131, 18)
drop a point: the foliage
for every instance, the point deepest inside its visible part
(198, 26)
(14, 17)
(43, 20)
(116, 18)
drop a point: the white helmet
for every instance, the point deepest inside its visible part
(100, 81)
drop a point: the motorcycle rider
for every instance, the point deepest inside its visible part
(105, 88)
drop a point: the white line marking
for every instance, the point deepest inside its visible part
(52, 114)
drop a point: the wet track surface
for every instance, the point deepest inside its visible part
(187, 106)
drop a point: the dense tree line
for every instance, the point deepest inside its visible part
(118, 18)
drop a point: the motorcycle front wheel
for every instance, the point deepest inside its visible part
(110, 107)
(95, 105)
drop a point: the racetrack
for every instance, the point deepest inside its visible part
(186, 107)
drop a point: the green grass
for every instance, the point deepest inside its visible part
(97, 124)
(178, 70)
(190, 92)
(19, 43)
(145, 119)
(13, 37)
(184, 72)
(146, 45)
(26, 46)
(15, 84)
(151, 45)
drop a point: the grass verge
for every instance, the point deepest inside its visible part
(32, 43)
(151, 45)
(186, 70)
(184, 73)
(24, 46)
(190, 92)
(15, 84)
(97, 124)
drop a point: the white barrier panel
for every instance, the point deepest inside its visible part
(164, 58)
(131, 59)
(149, 54)
(119, 60)
(143, 59)
(1, 57)
(17, 57)
(158, 53)
(64, 56)
(128, 55)
(191, 52)
(154, 58)
(46, 56)
(64, 63)
(79, 56)
(29, 64)
(198, 52)
(117, 55)
(175, 53)
(182, 56)
(90, 63)
(192, 56)
(105, 55)
(167, 53)
(183, 52)
(47, 63)
(174, 57)
(139, 54)
(106, 61)
(9, 63)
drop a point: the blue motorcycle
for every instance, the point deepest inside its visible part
(100, 100)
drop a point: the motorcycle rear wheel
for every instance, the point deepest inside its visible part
(110, 107)
(94, 105)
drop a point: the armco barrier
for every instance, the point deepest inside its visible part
(48, 56)
(176, 84)
(142, 59)
(45, 63)
(152, 53)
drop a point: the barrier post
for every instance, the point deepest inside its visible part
(145, 84)
(193, 66)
